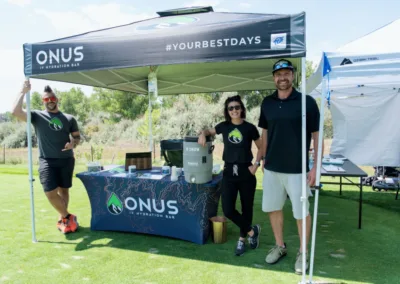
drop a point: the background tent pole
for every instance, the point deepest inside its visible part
(153, 91)
(303, 162)
(318, 177)
(31, 180)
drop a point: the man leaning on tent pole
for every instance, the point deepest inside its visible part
(280, 120)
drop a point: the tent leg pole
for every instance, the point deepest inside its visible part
(31, 180)
(150, 125)
(304, 151)
(318, 178)
(152, 91)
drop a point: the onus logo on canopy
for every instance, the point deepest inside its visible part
(66, 56)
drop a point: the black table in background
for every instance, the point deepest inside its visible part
(351, 171)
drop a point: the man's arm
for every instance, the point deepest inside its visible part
(263, 149)
(75, 139)
(17, 110)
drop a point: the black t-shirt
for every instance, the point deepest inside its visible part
(53, 132)
(237, 141)
(282, 119)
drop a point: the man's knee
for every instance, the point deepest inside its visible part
(63, 190)
(275, 213)
(52, 193)
(299, 216)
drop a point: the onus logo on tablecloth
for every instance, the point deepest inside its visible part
(114, 204)
(144, 207)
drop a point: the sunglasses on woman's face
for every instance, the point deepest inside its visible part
(50, 99)
(237, 107)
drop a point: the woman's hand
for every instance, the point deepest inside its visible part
(253, 169)
(202, 139)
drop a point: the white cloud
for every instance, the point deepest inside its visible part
(82, 19)
(111, 14)
(21, 3)
(90, 17)
(315, 50)
(245, 5)
(12, 77)
(67, 23)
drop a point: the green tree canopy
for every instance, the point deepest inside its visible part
(75, 102)
(119, 104)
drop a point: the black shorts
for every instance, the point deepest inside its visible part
(56, 173)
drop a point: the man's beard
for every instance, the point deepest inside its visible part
(51, 106)
(283, 87)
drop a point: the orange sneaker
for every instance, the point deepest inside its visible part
(64, 226)
(73, 223)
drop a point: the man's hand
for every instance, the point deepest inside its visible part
(26, 87)
(68, 146)
(312, 176)
(202, 139)
(253, 169)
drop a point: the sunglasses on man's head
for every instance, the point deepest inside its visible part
(282, 65)
(237, 107)
(49, 99)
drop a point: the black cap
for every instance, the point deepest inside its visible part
(282, 64)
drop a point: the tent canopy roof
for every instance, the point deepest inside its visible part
(367, 63)
(191, 50)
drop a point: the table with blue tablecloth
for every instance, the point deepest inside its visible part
(142, 204)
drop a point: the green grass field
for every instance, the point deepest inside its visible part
(344, 254)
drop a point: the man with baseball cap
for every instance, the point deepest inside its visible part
(281, 123)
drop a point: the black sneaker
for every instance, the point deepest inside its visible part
(254, 241)
(240, 248)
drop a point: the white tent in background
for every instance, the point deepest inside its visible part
(364, 97)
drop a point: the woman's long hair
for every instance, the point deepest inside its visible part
(238, 99)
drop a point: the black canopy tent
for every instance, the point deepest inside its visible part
(121, 57)
(189, 50)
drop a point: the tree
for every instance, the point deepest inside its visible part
(74, 102)
(144, 130)
(7, 117)
(119, 104)
(254, 98)
(36, 101)
(168, 101)
(309, 68)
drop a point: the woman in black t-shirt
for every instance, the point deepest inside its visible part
(239, 172)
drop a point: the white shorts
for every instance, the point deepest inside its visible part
(276, 188)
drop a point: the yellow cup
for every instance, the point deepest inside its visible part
(219, 227)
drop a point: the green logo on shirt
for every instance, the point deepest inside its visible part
(55, 124)
(235, 136)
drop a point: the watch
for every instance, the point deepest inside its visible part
(257, 163)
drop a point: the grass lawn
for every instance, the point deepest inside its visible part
(344, 254)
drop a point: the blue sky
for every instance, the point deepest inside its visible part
(330, 24)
